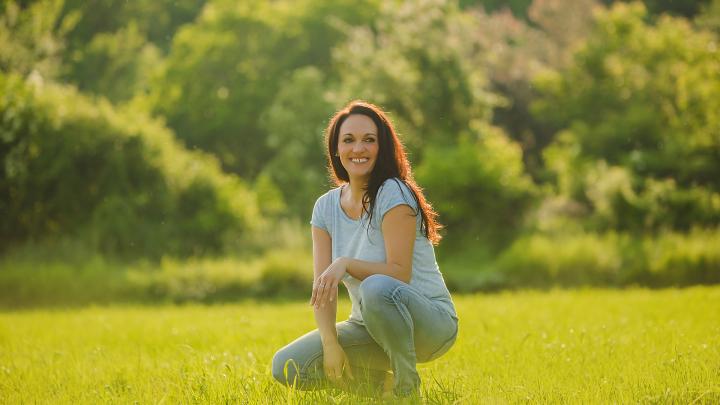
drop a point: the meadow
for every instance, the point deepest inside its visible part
(559, 346)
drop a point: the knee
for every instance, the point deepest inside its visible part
(284, 368)
(375, 291)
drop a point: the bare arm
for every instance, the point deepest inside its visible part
(325, 316)
(335, 361)
(398, 228)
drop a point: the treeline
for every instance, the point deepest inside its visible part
(194, 128)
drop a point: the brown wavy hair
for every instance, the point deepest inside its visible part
(391, 162)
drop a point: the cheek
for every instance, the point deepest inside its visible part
(375, 149)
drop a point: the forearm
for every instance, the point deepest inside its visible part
(325, 318)
(361, 269)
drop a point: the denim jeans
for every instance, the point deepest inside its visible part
(401, 327)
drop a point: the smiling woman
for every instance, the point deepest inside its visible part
(374, 233)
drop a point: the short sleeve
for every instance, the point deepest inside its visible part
(319, 213)
(392, 193)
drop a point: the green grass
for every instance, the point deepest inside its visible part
(582, 346)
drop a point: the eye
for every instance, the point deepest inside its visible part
(346, 140)
(370, 140)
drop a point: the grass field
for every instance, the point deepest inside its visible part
(590, 346)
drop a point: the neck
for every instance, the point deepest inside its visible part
(357, 190)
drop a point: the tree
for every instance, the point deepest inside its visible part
(640, 113)
(295, 123)
(514, 50)
(415, 63)
(479, 186)
(115, 65)
(31, 39)
(71, 166)
(710, 16)
(225, 70)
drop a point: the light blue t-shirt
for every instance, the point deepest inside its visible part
(351, 238)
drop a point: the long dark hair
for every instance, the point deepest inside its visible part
(391, 162)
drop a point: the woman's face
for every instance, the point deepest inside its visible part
(358, 146)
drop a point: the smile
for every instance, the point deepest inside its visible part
(363, 160)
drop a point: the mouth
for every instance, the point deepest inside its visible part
(359, 161)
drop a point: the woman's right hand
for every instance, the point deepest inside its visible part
(335, 362)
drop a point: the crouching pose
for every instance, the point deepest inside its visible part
(374, 232)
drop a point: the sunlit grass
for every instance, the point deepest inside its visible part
(562, 346)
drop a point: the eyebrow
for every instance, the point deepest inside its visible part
(369, 133)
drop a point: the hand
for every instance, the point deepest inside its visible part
(335, 363)
(325, 286)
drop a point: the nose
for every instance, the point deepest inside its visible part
(358, 146)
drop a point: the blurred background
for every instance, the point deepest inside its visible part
(172, 150)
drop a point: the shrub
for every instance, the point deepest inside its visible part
(76, 166)
(570, 260)
(479, 187)
(286, 274)
(668, 259)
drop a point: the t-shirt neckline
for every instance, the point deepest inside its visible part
(345, 214)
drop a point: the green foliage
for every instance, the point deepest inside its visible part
(514, 52)
(641, 145)
(72, 165)
(669, 259)
(225, 70)
(295, 124)
(286, 274)
(413, 62)
(65, 274)
(31, 39)
(115, 65)
(709, 18)
(687, 8)
(478, 187)
(116, 46)
(518, 7)
(155, 20)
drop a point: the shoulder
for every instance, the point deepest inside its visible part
(323, 201)
(395, 190)
(393, 186)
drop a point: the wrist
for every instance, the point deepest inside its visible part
(346, 264)
(329, 341)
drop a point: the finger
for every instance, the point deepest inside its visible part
(333, 293)
(317, 291)
(314, 294)
(326, 294)
(323, 294)
(329, 373)
(333, 374)
(320, 292)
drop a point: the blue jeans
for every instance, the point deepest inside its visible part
(401, 327)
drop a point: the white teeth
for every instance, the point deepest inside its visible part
(363, 160)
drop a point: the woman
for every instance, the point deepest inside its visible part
(374, 232)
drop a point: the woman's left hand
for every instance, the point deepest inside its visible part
(325, 286)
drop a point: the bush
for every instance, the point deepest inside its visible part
(669, 259)
(286, 274)
(675, 259)
(585, 259)
(33, 276)
(639, 117)
(76, 166)
(479, 187)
